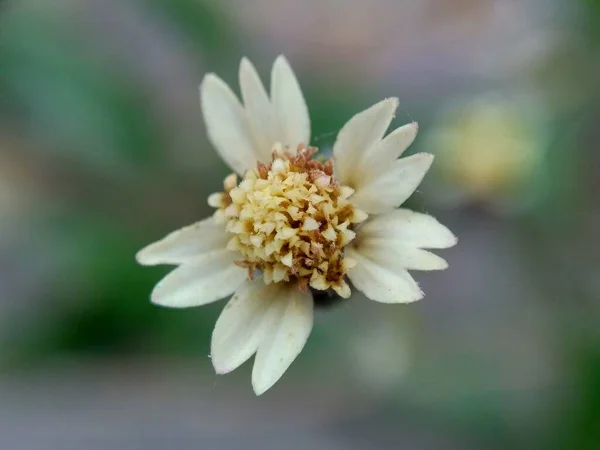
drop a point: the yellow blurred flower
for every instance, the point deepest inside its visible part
(488, 150)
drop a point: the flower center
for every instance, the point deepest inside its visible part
(291, 220)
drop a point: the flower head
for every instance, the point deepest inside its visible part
(290, 220)
(490, 150)
(294, 225)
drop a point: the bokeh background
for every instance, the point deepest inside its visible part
(103, 150)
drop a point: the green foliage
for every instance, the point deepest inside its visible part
(205, 25)
(72, 101)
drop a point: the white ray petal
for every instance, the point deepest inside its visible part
(289, 105)
(380, 283)
(290, 324)
(392, 188)
(409, 227)
(397, 255)
(205, 279)
(259, 110)
(356, 138)
(226, 124)
(241, 325)
(381, 155)
(185, 244)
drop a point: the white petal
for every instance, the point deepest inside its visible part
(206, 279)
(379, 282)
(259, 110)
(379, 158)
(290, 323)
(289, 105)
(396, 255)
(409, 227)
(185, 244)
(226, 124)
(395, 143)
(241, 325)
(357, 137)
(391, 188)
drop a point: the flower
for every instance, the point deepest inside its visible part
(490, 150)
(293, 224)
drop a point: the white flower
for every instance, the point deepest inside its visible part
(297, 224)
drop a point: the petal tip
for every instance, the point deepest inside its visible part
(260, 387)
(392, 102)
(246, 65)
(211, 84)
(219, 363)
(219, 366)
(139, 257)
(144, 257)
(155, 300)
(453, 240)
(426, 159)
(281, 59)
(208, 78)
(159, 298)
(449, 239)
(418, 294)
(415, 297)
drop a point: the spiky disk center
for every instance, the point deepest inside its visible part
(291, 220)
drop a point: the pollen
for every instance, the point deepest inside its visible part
(290, 221)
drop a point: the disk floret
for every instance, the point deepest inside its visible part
(291, 221)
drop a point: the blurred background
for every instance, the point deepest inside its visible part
(103, 150)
